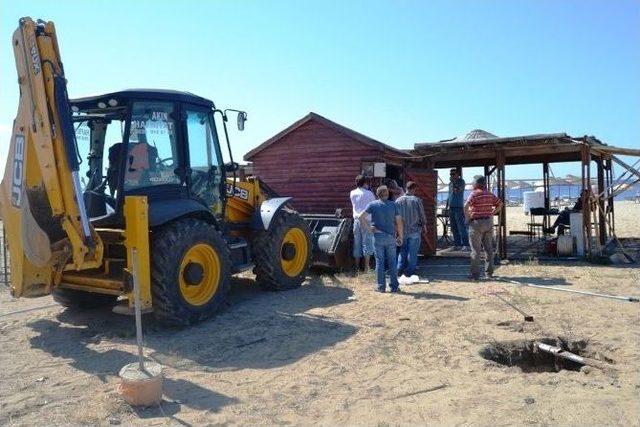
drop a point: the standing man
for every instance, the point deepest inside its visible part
(395, 190)
(413, 221)
(386, 226)
(479, 209)
(456, 213)
(360, 197)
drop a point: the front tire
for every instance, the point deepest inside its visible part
(282, 254)
(190, 272)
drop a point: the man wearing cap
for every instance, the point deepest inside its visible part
(479, 210)
(414, 221)
(456, 212)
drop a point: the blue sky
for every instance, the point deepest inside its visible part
(399, 71)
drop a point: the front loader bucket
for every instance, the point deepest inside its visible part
(331, 236)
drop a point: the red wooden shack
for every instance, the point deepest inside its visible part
(316, 160)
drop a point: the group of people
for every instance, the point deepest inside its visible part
(383, 225)
(471, 221)
(390, 228)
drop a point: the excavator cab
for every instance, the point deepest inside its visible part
(103, 191)
(155, 143)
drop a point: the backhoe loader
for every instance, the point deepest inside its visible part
(104, 190)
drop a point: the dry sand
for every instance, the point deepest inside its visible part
(335, 352)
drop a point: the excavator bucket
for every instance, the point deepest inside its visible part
(41, 203)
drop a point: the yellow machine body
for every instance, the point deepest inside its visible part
(37, 175)
(244, 196)
(55, 247)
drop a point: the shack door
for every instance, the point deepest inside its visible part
(427, 180)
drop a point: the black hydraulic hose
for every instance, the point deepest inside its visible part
(66, 124)
(71, 151)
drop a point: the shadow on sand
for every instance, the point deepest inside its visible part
(257, 330)
(434, 296)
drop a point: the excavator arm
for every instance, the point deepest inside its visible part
(41, 203)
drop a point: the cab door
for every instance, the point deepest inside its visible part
(205, 171)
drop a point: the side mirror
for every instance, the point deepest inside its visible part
(231, 167)
(242, 117)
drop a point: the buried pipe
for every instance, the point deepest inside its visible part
(567, 355)
(574, 291)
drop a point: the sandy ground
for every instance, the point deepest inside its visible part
(335, 352)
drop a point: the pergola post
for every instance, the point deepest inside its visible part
(502, 217)
(545, 186)
(585, 156)
(602, 220)
(487, 177)
(608, 167)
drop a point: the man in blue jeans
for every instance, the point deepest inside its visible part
(413, 222)
(386, 226)
(457, 220)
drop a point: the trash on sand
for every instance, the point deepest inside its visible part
(411, 280)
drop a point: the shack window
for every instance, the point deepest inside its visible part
(367, 169)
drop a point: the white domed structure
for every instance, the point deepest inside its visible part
(474, 135)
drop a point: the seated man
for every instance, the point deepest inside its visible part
(140, 164)
(563, 221)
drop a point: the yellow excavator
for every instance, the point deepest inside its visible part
(104, 190)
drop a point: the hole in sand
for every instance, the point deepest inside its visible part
(524, 355)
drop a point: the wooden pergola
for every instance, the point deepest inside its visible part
(494, 153)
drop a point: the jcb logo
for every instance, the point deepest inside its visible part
(18, 172)
(240, 193)
(35, 56)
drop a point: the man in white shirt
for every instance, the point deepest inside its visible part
(360, 197)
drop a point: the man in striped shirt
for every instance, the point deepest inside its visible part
(479, 210)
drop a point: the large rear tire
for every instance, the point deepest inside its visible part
(190, 272)
(282, 254)
(82, 300)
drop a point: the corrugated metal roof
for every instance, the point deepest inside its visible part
(480, 137)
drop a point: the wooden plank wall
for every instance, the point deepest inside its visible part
(316, 165)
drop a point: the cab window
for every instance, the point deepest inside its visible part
(204, 158)
(83, 139)
(152, 154)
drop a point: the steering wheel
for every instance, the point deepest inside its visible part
(163, 162)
